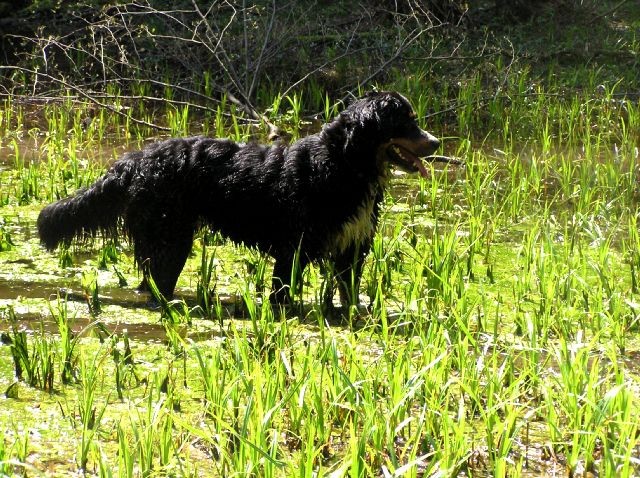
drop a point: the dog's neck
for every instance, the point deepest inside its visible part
(356, 147)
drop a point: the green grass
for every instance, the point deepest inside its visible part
(502, 336)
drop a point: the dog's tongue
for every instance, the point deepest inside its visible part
(420, 165)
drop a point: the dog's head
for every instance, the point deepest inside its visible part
(387, 121)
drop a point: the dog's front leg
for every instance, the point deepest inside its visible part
(348, 272)
(287, 271)
(347, 283)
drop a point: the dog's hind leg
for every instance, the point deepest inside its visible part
(163, 260)
(161, 246)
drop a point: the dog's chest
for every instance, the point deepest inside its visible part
(359, 227)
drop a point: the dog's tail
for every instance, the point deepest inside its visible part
(94, 209)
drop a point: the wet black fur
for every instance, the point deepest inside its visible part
(276, 198)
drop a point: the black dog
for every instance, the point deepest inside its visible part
(319, 196)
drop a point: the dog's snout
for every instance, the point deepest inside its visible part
(431, 139)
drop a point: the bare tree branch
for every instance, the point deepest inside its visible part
(87, 96)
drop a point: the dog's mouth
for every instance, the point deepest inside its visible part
(405, 159)
(406, 153)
